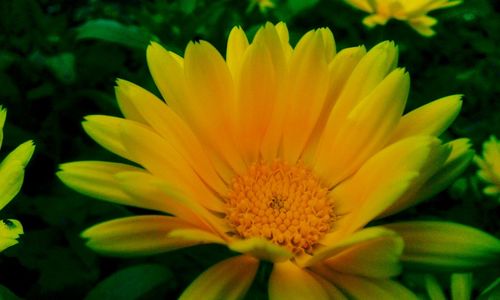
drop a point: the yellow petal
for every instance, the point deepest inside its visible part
(156, 155)
(445, 246)
(257, 95)
(211, 106)
(3, 116)
(261, 248)
(168, 75)
(10, 230)
(358, 287)
(401, 163)
(365, 130)
(430, 119)
(290, 282)
(308, 80)
(105, 130)
(423, 25)
(229, 279)
(237, 44)
(174, 131)
(361, 4)
(332, 291)
(125, 99)
(145, 190)
(96, 179)
(141, 235)
(12, 172)
(196, 235)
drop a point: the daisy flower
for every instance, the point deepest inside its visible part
(11, 180)
(282, 154)
(414, 12)
(489, 165)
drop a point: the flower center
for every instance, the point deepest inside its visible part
(283, 203)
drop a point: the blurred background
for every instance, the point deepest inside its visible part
(59, 61)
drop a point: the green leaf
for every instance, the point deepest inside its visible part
(188, 6)
(6, 294)
(115, 32)
(130, 283)
(297, 6)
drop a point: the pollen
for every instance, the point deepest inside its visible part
(285, 204)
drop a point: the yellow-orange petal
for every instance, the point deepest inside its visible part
(131, 236)
(366, 129)
(290, 282)
(401, 163)
(229, 279)
(261, 248)
(97, 179)
(237, 44)
(105, 130)
(159, 157)
(167, 71)
(308, 79)
(174, 130)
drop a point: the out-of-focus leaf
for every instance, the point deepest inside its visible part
(297, 6)
(62, 66)
(115, 32)
(130, 283)
(188, 6)
(6, 294)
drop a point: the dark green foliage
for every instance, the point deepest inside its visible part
(59, 61)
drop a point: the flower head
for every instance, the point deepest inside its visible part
(414, 12)
(489, 165)
(282, 154)
(11, 180)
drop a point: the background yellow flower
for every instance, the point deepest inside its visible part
(414, 12)
(489, 165)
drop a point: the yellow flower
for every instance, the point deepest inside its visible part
(11, 180)
(263, 5)
(489, 166)
(414, 12)
(282, 154)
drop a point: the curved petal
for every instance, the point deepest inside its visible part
(10, 230)
(96, 179)
(142, 235)
(358, 287)
(445, 246)
(365, 130)
(401, 164)
(461, 286)
(229, 279)
(168, 74)
(290, 282)
(173, 129)
(332, 291)
(434, 290)
(12, 171)
(105, 130)
(431, 119)
(261, 248)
